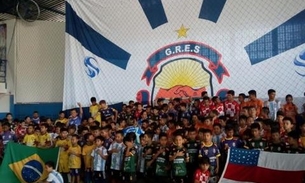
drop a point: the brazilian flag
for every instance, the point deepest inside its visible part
(25, 164)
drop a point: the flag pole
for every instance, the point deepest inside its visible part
(57, 158)
(225, 168)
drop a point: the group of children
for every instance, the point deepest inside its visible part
(179, 141)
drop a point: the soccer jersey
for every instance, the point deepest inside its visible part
(137, 114)
(36, 120)
(44, 139)
(141, 160)
(164, 128)
(184, 114)
(226, 143)
(75, 161)
(202, 177)
(8, 136)
(148, 154)
(258, 144)
(216, 139)
(276, 147)
(205, 110)
(273, 106)
(179, 164)
(107, 113)
(108, 142)
(295, 150)
(155, 117)
(98, 162)
(86, 152)
(231, 108)
(161, 161)
(126, 116)
(195, 110)
(258, 104)
(55, 177)
(75, 121)
(290, 110)
(129, 164)
(63, 121)
(220, 109)
(30, 140)
(117, 157)
(192, 150)
(211, 151)
(63, 162)
(132, 129)
(94, 111)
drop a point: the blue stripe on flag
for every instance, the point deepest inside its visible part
(154, 12)
(94, 41)
(288, 35)
(211, 9)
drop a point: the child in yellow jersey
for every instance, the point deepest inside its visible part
(75, 159)
(62, 119)
(44, 138)
(94, 110)
(86, 152)
(30, 138)
(63, 143)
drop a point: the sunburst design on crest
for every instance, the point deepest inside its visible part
(185, 77)
(184, 72)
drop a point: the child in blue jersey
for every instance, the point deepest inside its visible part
(229, 141)
(7, 134)
(107, 112)
(209, 149)
(131, 128)
(75, 118)
(226, 143)
(99, 155)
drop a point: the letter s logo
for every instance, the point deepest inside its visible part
(92, 67)
(299, 63)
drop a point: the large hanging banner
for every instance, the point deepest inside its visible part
(121, 50)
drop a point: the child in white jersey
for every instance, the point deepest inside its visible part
(54, 176)
(99, 155)
(116, 150)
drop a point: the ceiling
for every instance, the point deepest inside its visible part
(50, 10)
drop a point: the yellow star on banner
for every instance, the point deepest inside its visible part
(182, 31)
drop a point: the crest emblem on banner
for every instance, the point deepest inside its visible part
(183, 69)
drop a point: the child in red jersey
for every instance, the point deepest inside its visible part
(202, 174)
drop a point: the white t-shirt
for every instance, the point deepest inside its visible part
(55, 177)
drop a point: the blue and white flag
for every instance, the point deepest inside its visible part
(121, 50)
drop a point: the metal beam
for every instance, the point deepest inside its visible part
(52, 10)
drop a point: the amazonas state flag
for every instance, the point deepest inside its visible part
(25, 164)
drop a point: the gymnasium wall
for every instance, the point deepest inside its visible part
(35, 68)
